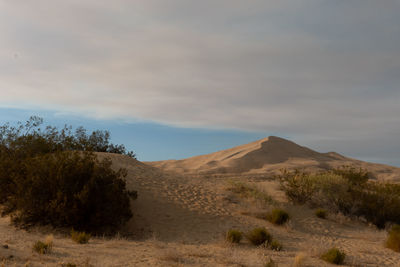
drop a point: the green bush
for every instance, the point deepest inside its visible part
(43, 181)
(42, 247)
(393, 240)
(275, 245)
(347, 191)
(278, 216)
(298, 186)
(259, 236)
(354, 176)
(321, 213)
(334, 256)
(80, 237)
(234, 236)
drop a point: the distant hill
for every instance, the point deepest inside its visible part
(270, 155)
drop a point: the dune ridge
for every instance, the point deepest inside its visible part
(269, 156)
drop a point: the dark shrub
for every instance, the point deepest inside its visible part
(334, 256)
(321, 213)
(353, 175)
(259, 236)
(44, 181)
(234, 236)
(393, 240)
(69, 189)
(298, 186)
(278, 216)
(275, 245)
(347, 191)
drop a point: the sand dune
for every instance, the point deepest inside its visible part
(180, 218)
(269, 156)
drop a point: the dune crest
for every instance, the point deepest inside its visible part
(269, 156)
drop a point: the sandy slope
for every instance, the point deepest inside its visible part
(180, 220)
(269, 156)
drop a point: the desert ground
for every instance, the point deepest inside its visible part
(184, 209)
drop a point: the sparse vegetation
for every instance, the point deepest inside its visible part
(278, 216)
(393, 239)
(275, 245)
(45, 180)
(345, 190)
(259, 236)
(234, 236)
(248, 191)
(334, 256)
(43, 247)
(271, 263)
(80, 237)
(321, 213)
(68, 265)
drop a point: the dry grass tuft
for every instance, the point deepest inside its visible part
(299, 259)
(80, 237)
(393, 240)
(172, 256)
(45, 247)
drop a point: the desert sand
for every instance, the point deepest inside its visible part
(184, 209)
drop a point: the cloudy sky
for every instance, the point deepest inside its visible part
(212, 73)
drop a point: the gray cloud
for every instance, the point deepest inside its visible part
(321, 72)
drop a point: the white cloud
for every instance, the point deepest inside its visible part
(326, 69)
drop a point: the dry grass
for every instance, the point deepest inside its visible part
(299, 259)
(172, 256)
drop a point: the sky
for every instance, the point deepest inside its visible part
(177, 78)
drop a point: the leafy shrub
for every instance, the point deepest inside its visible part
(354, 176)
(393, 240)
(278, 216)
(347, 191)
(275, 245)
(68, 265)
(234, 236)
(321, 213)
(43, 181)
(378, 203)
(259, 236)
(334, 256)
(298, 186)
(80, 237)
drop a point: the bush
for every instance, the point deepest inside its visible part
(354, 176)
(278, 216)
(321, 213)
(347, 191)
(43, 181)
(234, 236)
(393, 240)
(259, 236)
(298, 186)
(275, 245)
(334, 256)
(80, 237)
(43, 247)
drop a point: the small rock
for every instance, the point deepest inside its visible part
(5, 246)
